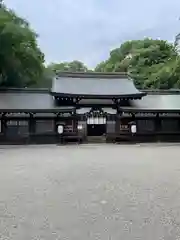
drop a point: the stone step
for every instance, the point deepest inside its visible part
(96, 139)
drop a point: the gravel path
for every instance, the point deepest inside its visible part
(98, 192)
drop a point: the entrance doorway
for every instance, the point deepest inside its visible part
(96, 126)
(96, 129)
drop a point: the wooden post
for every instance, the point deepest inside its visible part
(31, 126)
(158, 127)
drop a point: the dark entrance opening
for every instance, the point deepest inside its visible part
(96, 129)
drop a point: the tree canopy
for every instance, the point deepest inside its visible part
(74, 66)
(21, 61)
(151, 63)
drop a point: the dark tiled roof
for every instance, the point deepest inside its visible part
(42, 101)
(28, 100)
(158, 102)
(94, 84)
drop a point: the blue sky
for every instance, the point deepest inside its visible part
(87, 30)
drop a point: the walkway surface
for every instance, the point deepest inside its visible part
(98, 192)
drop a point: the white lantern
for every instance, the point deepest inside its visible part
(60, 129)
(133, 128)
(79, 127)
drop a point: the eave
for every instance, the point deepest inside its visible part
(87, 96)
(37, 110)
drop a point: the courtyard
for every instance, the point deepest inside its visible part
(79, 192)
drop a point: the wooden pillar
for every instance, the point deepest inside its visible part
(55, 123)
(158, 127)
(118, 121)
(32, 127)
(179, 122)
(3, 123)
(157, 123)
(133, 117)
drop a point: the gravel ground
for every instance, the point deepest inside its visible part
(106, 192)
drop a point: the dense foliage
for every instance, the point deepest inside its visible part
(74, 66)
(151, 63)
(21, 61)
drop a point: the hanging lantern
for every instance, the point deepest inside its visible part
(60, 129)
(133, 128)
(80, 127)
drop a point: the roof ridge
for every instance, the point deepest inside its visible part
(92, 74)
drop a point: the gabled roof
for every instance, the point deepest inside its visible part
(95, 85)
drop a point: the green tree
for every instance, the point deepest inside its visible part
(105, 66)
(21, 61)
(152, 66)
(74, 66)
(46, 79)
(151, 63)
